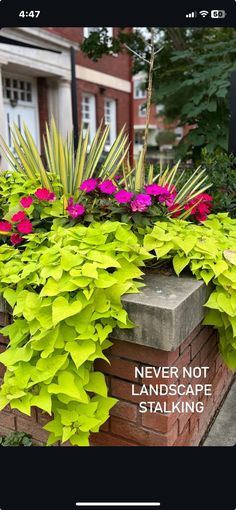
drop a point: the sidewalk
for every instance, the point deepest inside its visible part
(223, 429)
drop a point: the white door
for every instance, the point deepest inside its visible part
(20, 106)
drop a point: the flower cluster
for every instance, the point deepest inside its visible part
(19, 224)
(103, 199)
(107, 194)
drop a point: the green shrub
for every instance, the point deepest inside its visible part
(16, 439)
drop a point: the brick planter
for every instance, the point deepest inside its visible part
(169, 312)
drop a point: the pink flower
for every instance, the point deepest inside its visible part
(18, 216)
(25, 227)
(137, 206)
(45, 194)
(51, 197)
(5, 226)
(123, 196)
(107, 187)
(75, 210)
(145, 199)
(154, 189)
(117, 177)
(167, 198)
(16, 239)
(26, 202)
(89, 185)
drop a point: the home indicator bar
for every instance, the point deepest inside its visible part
(119, 504)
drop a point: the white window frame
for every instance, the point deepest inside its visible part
(139, 92)
(179, 133)
(142, 112)
(160, 109)
(112, 121)
(92, 114)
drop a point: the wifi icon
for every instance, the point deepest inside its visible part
(204, 13)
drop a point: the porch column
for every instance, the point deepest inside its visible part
(3, 161)
(64, 110)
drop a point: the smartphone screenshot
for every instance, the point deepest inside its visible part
(117, 256)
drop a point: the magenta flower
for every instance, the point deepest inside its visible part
(18, 216)
(137, 206)
(74, 210)
(123, 196)
(26, 202)
(16, 239)
(145, 199)
(45, 194)
(167, 198)
(89, 185)
(107, 187)
(117, 177)
(5, 226)
(154, 189)
(25, 227)
(51, 197)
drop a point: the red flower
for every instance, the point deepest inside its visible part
(5, 226)
(45, 194)
(25, 227)
(16, 239)
(26, 202)
(18, 216)
(174, 210)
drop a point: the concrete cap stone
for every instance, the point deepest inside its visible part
(166, 311)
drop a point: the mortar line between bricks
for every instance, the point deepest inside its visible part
(123, 438)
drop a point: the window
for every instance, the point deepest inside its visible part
(160, 109)
(17, 90)
(179, 133)
(110, 119)
(89, 115)
(142, 110)
(89, 30)
(138, 137)
(139, 91)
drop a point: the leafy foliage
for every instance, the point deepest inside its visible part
(65, 289)
(16, 439)
(221, 170)
(191, 79)
(209, 251)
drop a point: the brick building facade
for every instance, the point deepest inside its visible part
(35, 84)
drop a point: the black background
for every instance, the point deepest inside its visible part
(119, 13)
(55, 478)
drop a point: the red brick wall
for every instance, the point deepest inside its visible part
(127, 426)
(116, 65)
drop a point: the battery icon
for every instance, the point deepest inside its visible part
(218, 14)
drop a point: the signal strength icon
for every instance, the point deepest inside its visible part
(192, 14)
(203, 13)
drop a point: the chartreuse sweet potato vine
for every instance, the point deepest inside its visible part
(210, 252)
(65, 289)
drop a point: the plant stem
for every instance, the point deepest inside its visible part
(149, 99)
